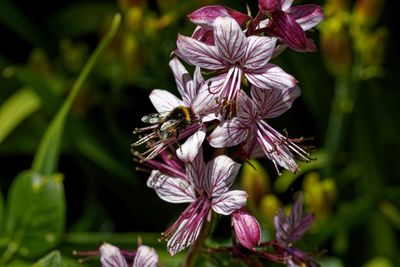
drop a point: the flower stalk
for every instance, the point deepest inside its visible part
(191, 256)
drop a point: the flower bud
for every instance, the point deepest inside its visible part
(336, 47)
(320, 195)
(134, 19)
(335, 6)
(367, 12)
(255, 181)
(127, 4)
(269, 205)
(247, 229)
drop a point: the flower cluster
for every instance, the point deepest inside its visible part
(227, 107)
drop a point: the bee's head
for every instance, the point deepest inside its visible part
(183, 113)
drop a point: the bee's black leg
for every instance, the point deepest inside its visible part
(177, 138)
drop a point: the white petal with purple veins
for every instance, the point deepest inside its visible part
(230, 201)
(145, 257)
(230, 40)
(259, 51)
(183, 81)
(229, 133)
(111, 256)
(272, 102)
(164, 101)
(188, 150)
(271, 77)
(220, 174)
(245, 108)
(199, 54)
(171, 189)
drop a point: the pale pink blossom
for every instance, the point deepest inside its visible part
(233, 56)
(111, 256)
(202, 106)
(251, 130)
(206, 188)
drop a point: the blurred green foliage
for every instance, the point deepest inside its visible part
(70, 108)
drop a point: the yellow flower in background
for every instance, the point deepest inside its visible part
(319, 195)
(255, 181)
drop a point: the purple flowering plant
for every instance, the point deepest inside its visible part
(196, 143)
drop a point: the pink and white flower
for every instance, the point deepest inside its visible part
(111, 256)
(206, 188)
(249, 127)
(202, 106)
(233, 56)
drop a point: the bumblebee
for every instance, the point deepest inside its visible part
(171, 122)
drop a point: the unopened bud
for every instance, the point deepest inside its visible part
(367, 12)
(247, 229)
(134, 19)
(336, 47)
(125, 5)
(255, 181)
(371, 47)
(319, 195)
(335, 6)
(269, 205)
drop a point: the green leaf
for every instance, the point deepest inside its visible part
(17, 108)
(50, 260)
(47, 154)
(1, 214)
(42, 87)
(35, 215)
(19, 263)
(15, 20)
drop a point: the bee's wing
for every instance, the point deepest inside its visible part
(155, 118)
(170, 124)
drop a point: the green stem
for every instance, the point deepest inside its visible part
(47, 154)
(193, 252)
(342, 105)
(89, 238)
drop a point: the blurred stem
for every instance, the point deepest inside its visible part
(47, 154)
(194, 250)
(90, 238)
(342, 105)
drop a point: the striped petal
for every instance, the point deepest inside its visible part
(145, 257)
(188, 150)
(183, 81)
(229, 133)
(230, 40)
(111, 256)
(206, 16)
(199, 54)
(273, 103)
(220, 174)
(164, 101)
(229, 201)
(171, 189)
(271, 77)
(308, 16)
(259, 51)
